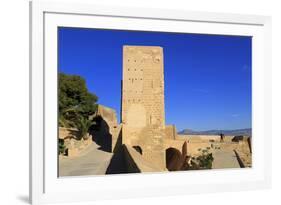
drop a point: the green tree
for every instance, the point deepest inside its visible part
(83, 126)
(76, 103)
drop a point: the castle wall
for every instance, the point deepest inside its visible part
(143, 116)
(108, 134)
(203, 138)
(74, 147)
(170, 132)
(143, 86)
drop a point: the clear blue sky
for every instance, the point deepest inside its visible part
(207, 77)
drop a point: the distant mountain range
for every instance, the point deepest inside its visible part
(246, 131)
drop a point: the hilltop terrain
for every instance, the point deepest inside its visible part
(246, 131)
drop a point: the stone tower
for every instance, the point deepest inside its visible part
(143, 114)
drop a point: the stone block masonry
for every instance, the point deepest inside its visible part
(143, 115)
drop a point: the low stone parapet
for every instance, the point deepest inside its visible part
(135, 162)
(73, 146)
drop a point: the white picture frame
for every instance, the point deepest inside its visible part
(46, 187)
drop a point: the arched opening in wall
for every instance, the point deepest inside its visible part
(138, 149)
(101, 135)
(174, 159)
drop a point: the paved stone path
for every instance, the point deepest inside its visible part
(225, 159)
(92, 161)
